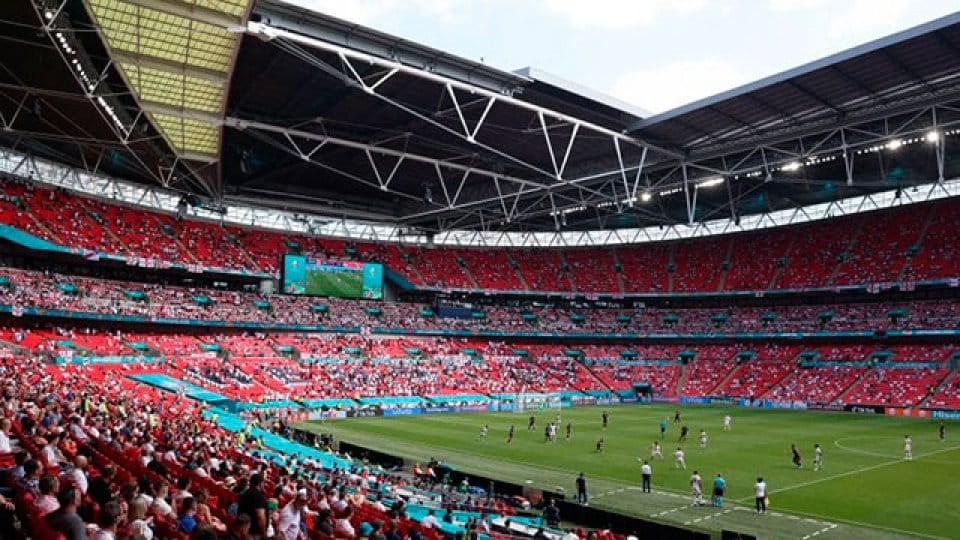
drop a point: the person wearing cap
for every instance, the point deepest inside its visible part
(291, 517)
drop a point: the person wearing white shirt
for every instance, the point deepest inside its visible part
(646, 472)
(817, 457)
(78, 474)
(678, 461)
(907, 448)
(5, 447)
(696, 486)
(291, 516)
(726, 422)
(430, 521)
(760, 490)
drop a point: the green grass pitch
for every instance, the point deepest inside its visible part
(865, 490)
(340, 284)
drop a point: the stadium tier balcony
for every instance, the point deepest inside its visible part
(542, 269)
(750, 267)
(491, 269)
(645, 268)
(909, 243)
(708, 369)
(947, 395)
(902, 387)
(593, 270)
(877, 253)
(699, 269)
(761, 367)
(937, 254)
(816, 384)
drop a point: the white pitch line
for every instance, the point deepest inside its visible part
(821, 531)
(862, 470)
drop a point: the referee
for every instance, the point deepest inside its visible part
(761, 492)
(646, 471)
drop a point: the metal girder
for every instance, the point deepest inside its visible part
(167, 66)
(837, 140)
(469, 129)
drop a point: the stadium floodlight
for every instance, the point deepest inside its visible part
(710, 182)
(792, 166)
(894, 144)
(646, 196)
(932, 136)
(48, 14)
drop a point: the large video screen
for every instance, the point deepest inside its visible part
(329, 277)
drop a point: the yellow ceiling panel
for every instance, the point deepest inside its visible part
(235, 8)
(171, 59)
(189, 135)
(174, 89)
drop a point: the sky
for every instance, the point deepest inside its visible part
(654, 54)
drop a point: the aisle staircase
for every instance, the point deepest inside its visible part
(918, 242)
(596, 377)
(568, 272)
(848, 248)
(176, 239)
(778, 269)
(88, 212)
(516, 270)
(465, 268)
(681, 380)
(621, 285)
(727, 259)
(723, 382)
(947, 377)
(841, 397)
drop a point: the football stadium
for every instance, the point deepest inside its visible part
(269, 273)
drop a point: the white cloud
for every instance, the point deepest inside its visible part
(619, 13)
(873, 16)
(664, 87)
(363, 12)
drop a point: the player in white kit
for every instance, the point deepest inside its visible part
(726, 422)
(907, 448)
(817, 457)
(655, 451)
(696, 486)
(678, 461)
(703, 438)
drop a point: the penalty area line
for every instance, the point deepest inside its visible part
(857, 471)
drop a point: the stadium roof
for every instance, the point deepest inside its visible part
(920, 64)
(321, 116)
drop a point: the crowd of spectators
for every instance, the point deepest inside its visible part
(95, 455)
(880, 246)
(35, 289)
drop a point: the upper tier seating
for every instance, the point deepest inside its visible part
(912, 243)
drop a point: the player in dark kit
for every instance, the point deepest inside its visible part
(683, 433)
(532, 424)
(606, 419)
(510, 434)
(796, 455)
(569, 430)
(676, 416)
(942, 431)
